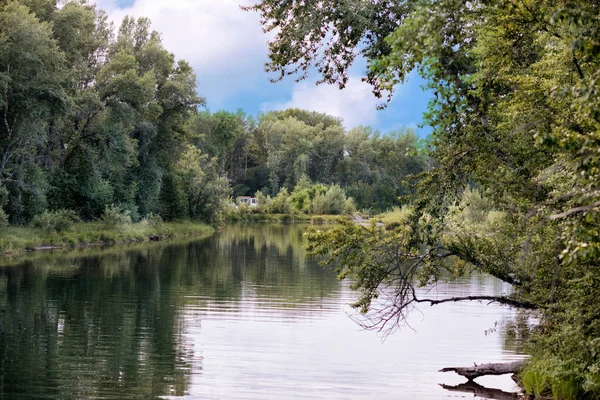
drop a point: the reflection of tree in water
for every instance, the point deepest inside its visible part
(112, 324)
(271, 260)
(106, 327)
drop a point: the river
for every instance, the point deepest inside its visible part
(240, 315)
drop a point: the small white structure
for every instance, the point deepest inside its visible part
(247, 200)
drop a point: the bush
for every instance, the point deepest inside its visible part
(3, 202)
(101, 193)
(300, 200)
(155, 220)
(114, 216)
(55, 221)
(333, 202)
(349, 206)
(264, 203)
(319, 205)
(281, 202)
(3, 219)
(335, 199)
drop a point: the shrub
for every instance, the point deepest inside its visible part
(264, 203)
(114, 216)
(319, 205)
(281, 202)
(349, 206)
(333, 202)
(3, 219)
(335, 199)
(300, 200)
(155, 220)
(55, 221)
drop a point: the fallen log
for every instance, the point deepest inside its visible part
(486, 369)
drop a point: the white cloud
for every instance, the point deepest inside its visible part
(355, 104)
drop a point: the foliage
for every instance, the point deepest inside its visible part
(114, 216)
(281, 202)
(3, 219)
(333, 201)
(95, 116)
(291, 147)
(331, 39)
(91, 118)
(204, 189)
(3, 202)
(55, 221)
(395, 217)
(155, 220)
(264, 203)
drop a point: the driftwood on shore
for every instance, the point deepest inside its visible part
(486, 369)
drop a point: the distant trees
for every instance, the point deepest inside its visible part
(281, 147)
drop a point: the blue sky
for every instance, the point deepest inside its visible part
(227, 49)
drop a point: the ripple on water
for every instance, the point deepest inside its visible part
(242, 315)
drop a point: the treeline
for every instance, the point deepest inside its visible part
(92, 118)
(279, 149)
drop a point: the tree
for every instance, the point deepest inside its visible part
(204, 190)
(515, 116)
(87, 118)
(32, 76)
(328, 34)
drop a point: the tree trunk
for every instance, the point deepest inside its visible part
(486, 369)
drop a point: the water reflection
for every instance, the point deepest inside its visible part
(242, 314)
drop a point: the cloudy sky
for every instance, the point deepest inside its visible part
(228, 50)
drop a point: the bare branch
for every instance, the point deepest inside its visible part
(492, 299)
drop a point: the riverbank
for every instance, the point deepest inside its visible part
(21, 240)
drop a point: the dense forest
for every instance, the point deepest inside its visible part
(513, 189)
(94, 117)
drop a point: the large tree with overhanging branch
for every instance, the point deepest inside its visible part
(514, 186)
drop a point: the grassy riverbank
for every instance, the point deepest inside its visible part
(18, 240)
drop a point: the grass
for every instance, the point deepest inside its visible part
(540, 384)
(394, 217)
(534, 382)
(18, 240)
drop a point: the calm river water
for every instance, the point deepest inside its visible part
(242, 315)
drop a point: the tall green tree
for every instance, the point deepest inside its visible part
(32, 82)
